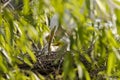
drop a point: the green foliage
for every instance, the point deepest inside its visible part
(87, 31)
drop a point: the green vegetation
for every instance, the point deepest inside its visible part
(60, 40)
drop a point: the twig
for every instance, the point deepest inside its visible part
(8, 2)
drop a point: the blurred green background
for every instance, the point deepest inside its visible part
(84, 32)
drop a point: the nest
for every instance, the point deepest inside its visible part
(45, 64)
